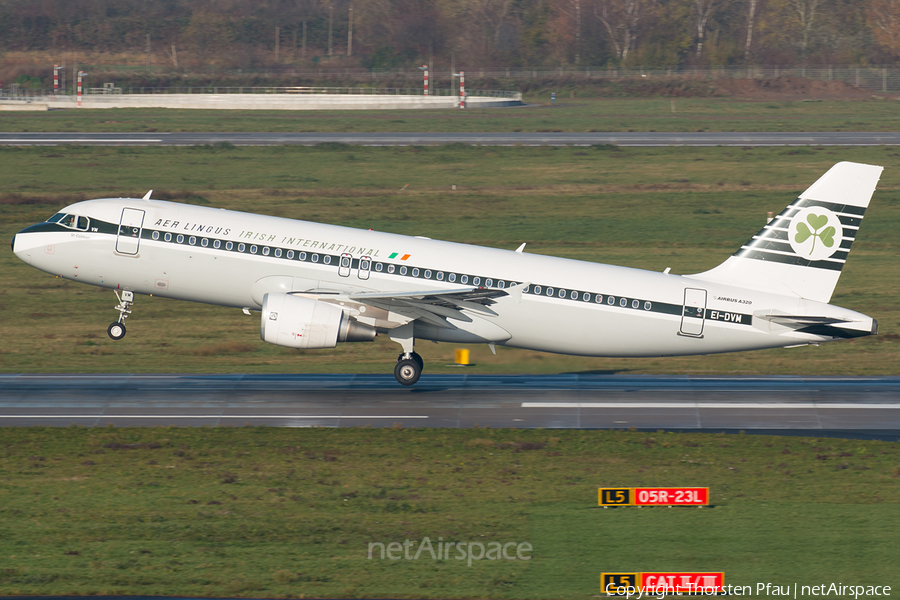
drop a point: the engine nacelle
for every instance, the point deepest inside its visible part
(298, 322)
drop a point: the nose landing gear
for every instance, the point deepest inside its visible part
(116, 331)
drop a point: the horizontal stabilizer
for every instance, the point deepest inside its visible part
(800, 321)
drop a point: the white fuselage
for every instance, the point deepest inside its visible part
(573, 307)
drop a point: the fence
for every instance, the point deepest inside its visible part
(881, 78)
(873, 78)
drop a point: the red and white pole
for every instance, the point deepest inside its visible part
(425, 68)
(80, 75)
(55, 79)
(462, 89)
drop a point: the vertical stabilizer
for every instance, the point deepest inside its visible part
(802, 251)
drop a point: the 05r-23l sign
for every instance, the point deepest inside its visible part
(666, 496)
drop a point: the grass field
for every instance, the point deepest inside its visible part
(257, 512)
(289, 513)
(569, 115)
(687, 209)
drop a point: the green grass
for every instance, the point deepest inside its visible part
(569, 115)
(687, 209)
(289, 513)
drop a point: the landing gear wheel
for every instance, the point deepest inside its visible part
(415, 356)
(116, 331)
(407, 371)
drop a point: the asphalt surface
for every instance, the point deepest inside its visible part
(484, 139)
(854, 407)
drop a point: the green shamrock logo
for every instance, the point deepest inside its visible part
(816, 222)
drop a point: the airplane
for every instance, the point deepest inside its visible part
(316, 285)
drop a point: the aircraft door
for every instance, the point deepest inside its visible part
(365, 265)
(694, 312)
(345, 264)
(128, 240)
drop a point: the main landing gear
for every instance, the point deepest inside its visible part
(116, 330)
(409, 364)
(409, 368)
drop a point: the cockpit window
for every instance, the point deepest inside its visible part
(55, 218)
(75, 222)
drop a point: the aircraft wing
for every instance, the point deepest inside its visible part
(434, 307)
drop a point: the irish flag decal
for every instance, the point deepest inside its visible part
(396, 254)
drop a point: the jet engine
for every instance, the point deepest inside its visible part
(298, 322)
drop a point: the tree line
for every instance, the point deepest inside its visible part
(385, 34)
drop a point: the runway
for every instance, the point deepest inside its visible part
(852, 407)
(638, 139)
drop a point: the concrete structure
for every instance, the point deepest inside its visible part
(12, 106)
(261, 101)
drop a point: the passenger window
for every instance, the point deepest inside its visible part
(155, 235)
(586, 297)
(345, 262)
(228, 245)
(501, 284)
(562, 293)
(327, 260)
(464, 279)
(488, 283)
(253, 249)
(315, 258)
(290, 255)
(476, 281)
(302, 256)
(391, 268)
(204, 242)
(635, 304)
(180, 239)
(403, 270)
(623, 302)
(217, 244)
(647, 306)
(599, 298)
(611, 300)
(537, 289)
(169, 237)
(451, 278)
(192, 241)
(379, 267)
(241, 247)
(266, 250)
(549, 291)
(416, 273)
(574, 295)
